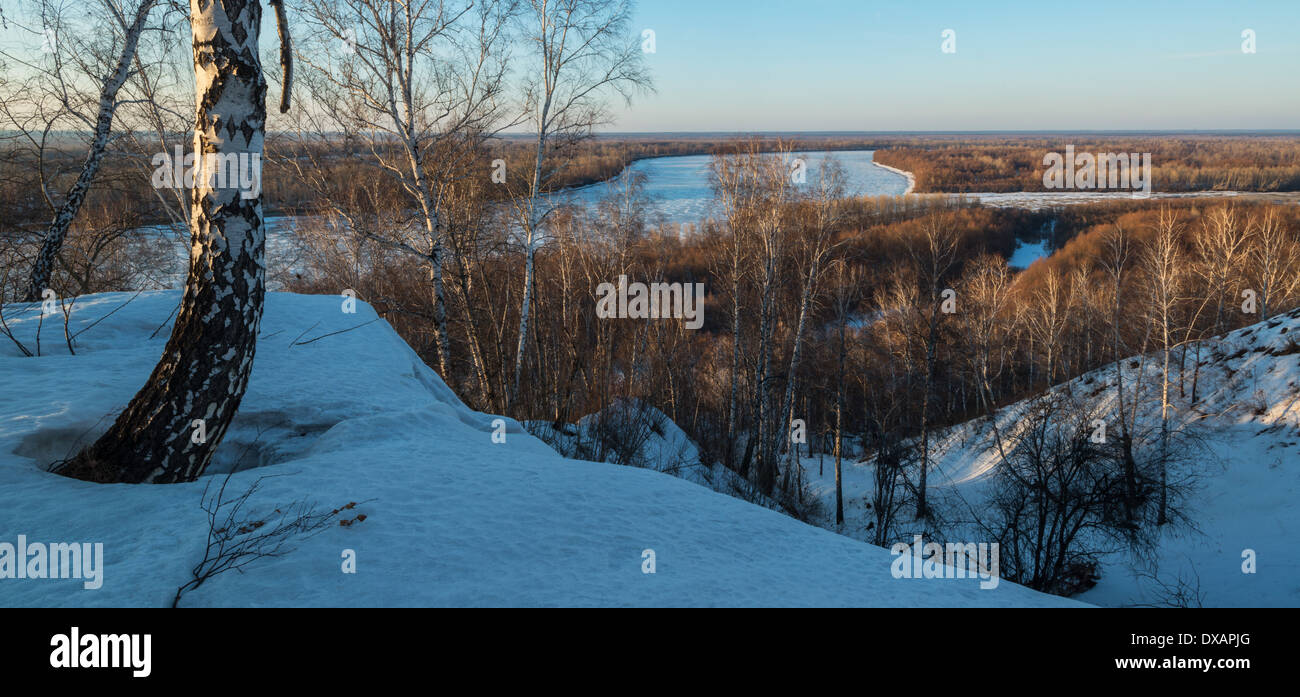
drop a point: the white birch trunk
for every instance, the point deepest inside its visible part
(204, 369)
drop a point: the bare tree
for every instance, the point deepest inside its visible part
(1049, 319)
(885, 416)
(1274, 254)
(735, 185)
(1116, 263)
(1164, 265)
(131, 26)
(1052, 497)
(845, 294)
(934, 253)
(473, 233)
(770, 235)
(817, 247)
(420, 86)
(581, 50)
(1221, 246)
(987, 292)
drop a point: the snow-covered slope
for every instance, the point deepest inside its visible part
(1247, 471)
(633, 432)
(452, 518)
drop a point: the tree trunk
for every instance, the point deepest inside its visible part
(439, 301)
(1162, 516)
(787, 404)
(525, 307)
(530, 253)
(732, 409)
(922, 507)
(839, 430)
(767, 474)
(170, 430)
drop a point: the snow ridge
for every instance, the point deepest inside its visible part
(452, 518)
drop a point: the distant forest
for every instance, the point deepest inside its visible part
(941, 164)
(1178, 162)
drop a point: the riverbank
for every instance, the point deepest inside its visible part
(911, 180)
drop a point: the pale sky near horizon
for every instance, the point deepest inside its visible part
(876, 65)
(1019, 65)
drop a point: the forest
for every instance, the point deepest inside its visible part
(1180, 163)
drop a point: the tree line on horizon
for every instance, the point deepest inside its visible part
(1179, 163)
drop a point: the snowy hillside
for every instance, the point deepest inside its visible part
(1246, 469)
(633, 432)
(451, 518)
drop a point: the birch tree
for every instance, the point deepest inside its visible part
(935, 254)
(1163, 263)
(171, 428)
(830, 187)
(735, 185)
(1049, 318)
(987, 291)
(67, 55)
(770, 235)
(1221, 246)
(581, 50)
(1273, 254)
(420, 86)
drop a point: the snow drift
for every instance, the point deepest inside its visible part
(452, 518)
(1247, 417)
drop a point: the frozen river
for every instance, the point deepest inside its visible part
(678, 187)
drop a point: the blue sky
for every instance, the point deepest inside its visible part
(813, 65)
(876, 65)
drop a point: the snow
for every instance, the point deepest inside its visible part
(650, 438)
(452, 517)
(1249, 472)
(284, 250)
(911, 178)
(1249, 502)
(1040, 200)
(634, 433)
